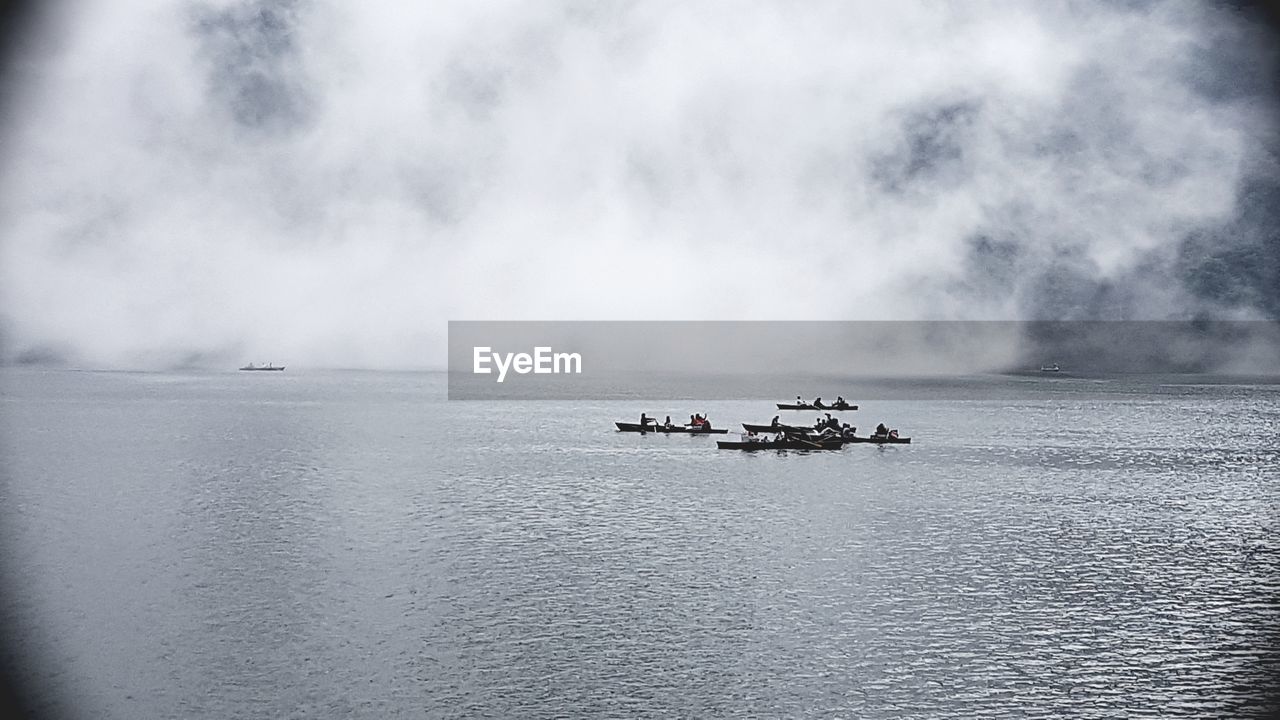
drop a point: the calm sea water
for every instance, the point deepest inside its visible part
(350, 544)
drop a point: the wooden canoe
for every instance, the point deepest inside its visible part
(637, 427)
(820, 408)
(749, 427)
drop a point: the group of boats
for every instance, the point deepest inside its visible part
(268, 367)
(825, 434)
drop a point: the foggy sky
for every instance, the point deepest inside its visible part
(322, 183)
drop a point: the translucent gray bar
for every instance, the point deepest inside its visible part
(768, 359)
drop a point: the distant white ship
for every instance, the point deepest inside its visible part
(1050, 368)
(268, 366)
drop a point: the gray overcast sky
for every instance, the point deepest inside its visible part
(324, 183)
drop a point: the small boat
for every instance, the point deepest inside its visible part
(807, 406)
(637, 427)
(879, 439)
(1050, 368)
(750, 427)
(789, 443)
(268, 366)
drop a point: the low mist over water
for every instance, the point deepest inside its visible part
(201, 183)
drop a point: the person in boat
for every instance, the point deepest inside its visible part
(800, 402)
(774, 421)
(894, 433)
(667, 423)
(818, 403)
(840, 403)
(881, 430)
(693, 421)
(645, 420)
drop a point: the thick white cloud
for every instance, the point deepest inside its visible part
(329, 183)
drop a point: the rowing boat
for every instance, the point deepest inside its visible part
(807, 406)
(791, 443)
(637, 427)
(749, 427)
(879, 439)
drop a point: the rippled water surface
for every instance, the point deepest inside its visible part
(346, 544)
